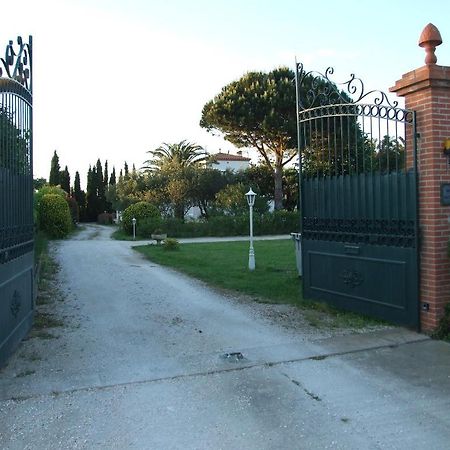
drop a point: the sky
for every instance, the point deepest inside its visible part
(114, 79)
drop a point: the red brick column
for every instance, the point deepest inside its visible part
(427, 91)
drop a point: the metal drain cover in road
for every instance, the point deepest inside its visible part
(233, 357)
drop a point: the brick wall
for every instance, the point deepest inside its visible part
(427, 91)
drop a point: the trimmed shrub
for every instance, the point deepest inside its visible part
(278, 222)
(171, 244)
(54, 216)
(47, 189)
(140, 211)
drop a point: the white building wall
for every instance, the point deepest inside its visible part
(231, 165)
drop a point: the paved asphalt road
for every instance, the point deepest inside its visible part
(142, 363)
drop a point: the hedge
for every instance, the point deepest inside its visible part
(54, 216)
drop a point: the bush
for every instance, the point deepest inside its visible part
(54, 216)
(148, 226)
(47, 189)
(171, 244)
(140, 211)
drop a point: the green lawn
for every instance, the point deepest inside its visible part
(275, 280)
(224, 264)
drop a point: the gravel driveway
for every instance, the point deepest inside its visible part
(150, 359)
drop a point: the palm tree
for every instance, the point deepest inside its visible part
(181, 155)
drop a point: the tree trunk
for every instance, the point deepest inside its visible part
(278, 193)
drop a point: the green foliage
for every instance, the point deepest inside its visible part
(443, 329)
(54, 170)
(258, 111)
(95, 193)
(149, 226)
(171, 244)
(139, 211)
(131, 189)
(74, 209)
(177, 164)
(45, 190)
(179, 155)
(80, 197)
(206, 184)
(64, 179)
(54, 216)
(38, 183)
(14, 144)
(232, 201)
(278, 222)
(290, 189)
(259, 177)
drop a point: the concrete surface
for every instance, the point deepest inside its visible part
(141, 363)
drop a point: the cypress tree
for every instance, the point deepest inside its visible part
(91, 195)
(64, 179)
(106, 175)
(125, 170)
(54, 170)
(101, 197)
(80, 197)
(112, 180)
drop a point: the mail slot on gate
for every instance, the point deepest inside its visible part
(351, 249)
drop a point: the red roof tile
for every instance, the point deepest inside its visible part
(228, 157)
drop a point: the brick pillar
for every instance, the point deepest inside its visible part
(427, 91)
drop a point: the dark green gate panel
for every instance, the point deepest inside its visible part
(368, 279)
(16, 305)
(16, 197)
(358, 178)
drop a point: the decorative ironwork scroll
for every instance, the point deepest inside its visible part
(16, 303)
(322, 90)
(351, 278)
(16, 64)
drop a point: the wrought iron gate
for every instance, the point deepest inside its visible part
(358, 177)
(16, 196)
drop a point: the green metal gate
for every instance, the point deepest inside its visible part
(16, 196)
(358, 177)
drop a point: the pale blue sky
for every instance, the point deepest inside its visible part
(114, 79)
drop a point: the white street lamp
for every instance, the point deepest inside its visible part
(250, 195)
(134, 228)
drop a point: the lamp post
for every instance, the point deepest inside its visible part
(134, 228)
(250, 195)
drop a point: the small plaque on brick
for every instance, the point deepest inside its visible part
(445, 194)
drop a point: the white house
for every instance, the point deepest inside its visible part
(223, 161)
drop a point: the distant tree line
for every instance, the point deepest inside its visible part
(95, 199)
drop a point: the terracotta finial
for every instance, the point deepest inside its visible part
(429, 40)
